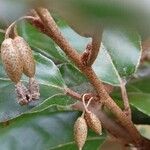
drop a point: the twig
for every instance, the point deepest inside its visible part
(56, 35)
(37, 22)
(73, 94)
(112, 106)
(88, 71)
(78, 96)
(127, 108)
(92, 49)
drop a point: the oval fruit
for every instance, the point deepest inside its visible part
(80, 132)
(93, 122)
(11, 60)
(26, 56)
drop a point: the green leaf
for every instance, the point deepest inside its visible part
(74, 79)
(140, 85)
(124, 48)
(59, 99)
(91, 143)
(49, 129)
(139, 93)
(119, 54)
(49, 78)
(41, 42)
(71, 75)
(139, 99)
(77, 41)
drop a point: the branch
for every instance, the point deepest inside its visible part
(56, 35)
(92, 49)
(112, 106)
(111, 126)
(52, 29)
(73, 94)
(37, 22)
(127, 108)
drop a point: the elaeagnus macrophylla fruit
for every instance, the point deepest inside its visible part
(93, 122)
(80, 132)
(14, 69)
(91, 119)
(28, 65)
(11, 60)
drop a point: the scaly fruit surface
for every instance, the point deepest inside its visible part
(26, 56)
(93, 122)
(80, 132)
(11, 60)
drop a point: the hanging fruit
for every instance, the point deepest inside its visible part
(93, 122)
(28, 65)
(80, 132)
(11, 60)
(14, 69)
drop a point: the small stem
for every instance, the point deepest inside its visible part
(127, 108)
(78, 96)
(38, 22)
(14, 23)
(73, 94)
(15, 31)
(96, 42)
(84, 104)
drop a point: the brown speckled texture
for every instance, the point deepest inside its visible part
(80, 132)
(93, 122)
(11, 60)
(34, 89)
(26, 56)
(23, 95)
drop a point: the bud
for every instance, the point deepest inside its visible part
(11, 60)
(93, 122)
(80, 132)
(26, 56)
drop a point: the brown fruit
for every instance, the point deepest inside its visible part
(26, 56)
(80, 132)
(11, 60)
(93, 122)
